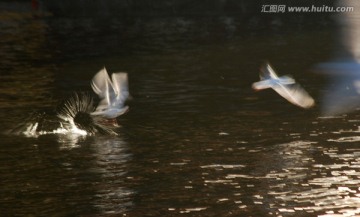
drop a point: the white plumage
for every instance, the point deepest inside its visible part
(285, 86)
(112, 93)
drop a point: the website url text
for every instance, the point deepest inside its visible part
(297, 9)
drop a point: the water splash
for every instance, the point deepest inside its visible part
(71, 117)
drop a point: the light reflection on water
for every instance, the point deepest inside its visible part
(324, 186)
(111, 157)
(48, 175)
(293, 183)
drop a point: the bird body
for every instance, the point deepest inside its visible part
(272, 82)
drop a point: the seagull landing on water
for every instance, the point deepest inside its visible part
(112, 93)
(285, 86)
(78, 114)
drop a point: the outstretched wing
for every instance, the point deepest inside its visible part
(101, 83)
(263, 84)
(102, 86)
(267, 72)
(269, 78)
(121, 88)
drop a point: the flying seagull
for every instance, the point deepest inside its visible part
(285, 86)
(342, 93)
(112, 93)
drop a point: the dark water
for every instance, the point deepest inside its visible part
(197, 140)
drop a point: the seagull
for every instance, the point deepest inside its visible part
(112, 93)
(285, 86)
(342, 92)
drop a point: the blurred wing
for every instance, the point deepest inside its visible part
(342, 93)
(101, 83)
(348, 67)
(263, 84)
(350, 30)
(295, 94)
(121, 88)
(267, 72)
(269, 83)
(342, 96)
